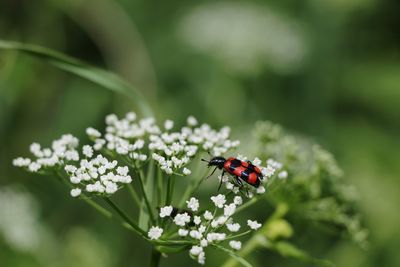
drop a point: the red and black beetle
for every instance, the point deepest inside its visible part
(244, 170)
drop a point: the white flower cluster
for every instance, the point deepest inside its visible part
(173, 150)
(94, 175)
(205, 228)
(62, 150)
(124, 136)
(97, 175)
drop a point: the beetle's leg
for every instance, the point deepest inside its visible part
(220, 182)
(238, 182)
(212, 173)
(241, 192)
(247, 192)
(241, 186)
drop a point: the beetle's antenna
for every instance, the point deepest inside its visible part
(205, 160)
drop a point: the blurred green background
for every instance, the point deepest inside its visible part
(325, 69)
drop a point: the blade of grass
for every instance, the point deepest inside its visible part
(101, 77)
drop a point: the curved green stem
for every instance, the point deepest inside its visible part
(146, 199)
(171, 242)
(191, 189)
(238, 235)
(133, 194)
(159, 186)
(96, 206)
(125, 217)
(93, 203)
(170, 190)
(247, 204)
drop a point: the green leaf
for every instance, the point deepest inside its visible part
(99, 76)
(233, 255)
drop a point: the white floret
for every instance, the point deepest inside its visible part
(197, 220)
(196, 250)
(257, 161)
(76, 192)
(34, 167)
(229, 210)
(70, 168)
(193, 204)
(87, 151)
(268, 171)
(186, 171)
(282, 174)
(253, 224)
(166, 211)
(191, 121)
(208, 215)
(21, 162)
(238, 200)
(93, 132)
(182, 219)
(260, 190)
(236, 245)
(219, 200)
(233, 227)
(168, 125)
(201, 259)
(195, 234)
(183, 232)
(155, 232)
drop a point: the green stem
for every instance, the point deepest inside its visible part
(125, 217)
(250, 245)
(134, 195)
(159, 186)
(238, 235)
(96, 206)
(247, 204)
(146, 200)
(84, 197)
(170, 190)
(171, 242)
(191, 189)
(155, 258)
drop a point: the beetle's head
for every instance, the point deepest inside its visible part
(216, 161)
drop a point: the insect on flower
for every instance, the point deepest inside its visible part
(241, 170)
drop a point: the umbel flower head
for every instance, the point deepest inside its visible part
(129, 146)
